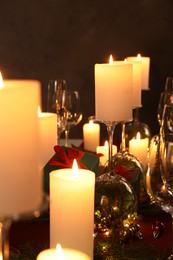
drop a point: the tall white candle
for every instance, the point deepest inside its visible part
(139, 148)
(137, 82)
(48, 135)
(105, 151)
(72, 209)
(113, 91)
(66, 254)
(91, 134)
(20, 179)
(145, 69)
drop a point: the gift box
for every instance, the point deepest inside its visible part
(63, 158)
(131, 170)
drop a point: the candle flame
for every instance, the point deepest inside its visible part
(106, 144)
(39, 111)
(91, 123)
(1, 81)
(138, 136)
(125, 60)
(75, 171)
(139, 57)
(59, 252)
(163, 188)
(111, 60)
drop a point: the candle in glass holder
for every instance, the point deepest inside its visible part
(139, 148)
(62, 254)
(91, 134)
(145, 69)
(72, 209)
(48, 135)
(105, 151)
(113, 91)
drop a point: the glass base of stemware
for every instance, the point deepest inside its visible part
(114, 200)
(97, 120)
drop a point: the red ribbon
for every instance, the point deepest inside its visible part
(66, 160)
(121, 170)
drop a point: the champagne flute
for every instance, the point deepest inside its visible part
(73, 114)
(167, 119)
(165, 98)
(55, 103)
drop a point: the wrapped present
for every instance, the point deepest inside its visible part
(128, 167)
(63, 158)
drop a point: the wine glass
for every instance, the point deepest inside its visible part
(154, 182)
(167, 119)
(55, 102)
(165, 98)
(73, 111)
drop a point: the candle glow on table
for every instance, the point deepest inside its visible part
(91, 134)
(105, 151)
(139, 148)
(21, 181)
(48, 135)
(113, 91)
(72, 209)
(145, 69)
(62, 254)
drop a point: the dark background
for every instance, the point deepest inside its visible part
(53, 39)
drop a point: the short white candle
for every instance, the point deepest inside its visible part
(72, 209)
(66, 254)
(20, 179)
(145, 69)
(91, 134)
(139, 148)
(105, 151)
(113, 91)
(48, 135)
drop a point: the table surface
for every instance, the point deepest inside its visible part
(28, 238)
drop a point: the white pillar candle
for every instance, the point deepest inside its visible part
(113, 91)
(91, 134)
(20, 179)
(137, 82)
(48, 135)
(145, 69)
(105, 151)
(139, 148)
(72, 209)
(66, 254)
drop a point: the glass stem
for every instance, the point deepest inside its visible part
(5, 225)
(171, 257)
(110, 130)
(66, 137)
(123, 140)
(136, 114)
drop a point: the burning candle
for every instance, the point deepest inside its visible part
(91, 133)
(105, 151)
(21, 181)
(62, 254)
(145, 69)
(113, 91)
(72, 209)
(137, 81)
(139, 148)
(48, 135)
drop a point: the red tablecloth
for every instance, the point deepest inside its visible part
(35, 234)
